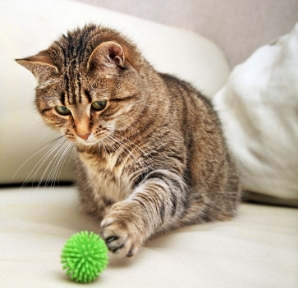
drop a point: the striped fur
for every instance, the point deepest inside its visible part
(154, 158)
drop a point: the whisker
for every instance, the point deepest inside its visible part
(60, 164)
(55, 165)
(59, 148)
(41, 162)
(135, 145)
(39, 150)
(139, 162)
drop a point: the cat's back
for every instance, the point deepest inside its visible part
(184, 91)
(210, 168)
(192, 108)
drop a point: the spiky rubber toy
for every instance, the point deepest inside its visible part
(84, 257)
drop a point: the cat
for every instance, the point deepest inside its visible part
(151, 155)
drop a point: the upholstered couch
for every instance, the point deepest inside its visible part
(258, 248)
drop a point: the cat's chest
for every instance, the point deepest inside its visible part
(106, 176)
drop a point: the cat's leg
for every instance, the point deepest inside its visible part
(154, 206)
(93, 204)
(89, 205)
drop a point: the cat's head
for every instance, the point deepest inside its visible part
(89, 84)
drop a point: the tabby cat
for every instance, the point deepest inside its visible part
(151, 155)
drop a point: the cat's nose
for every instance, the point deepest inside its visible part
(85, 137)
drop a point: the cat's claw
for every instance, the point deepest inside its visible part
(118, 238)
(111, 239)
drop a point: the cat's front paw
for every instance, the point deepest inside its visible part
(121, 235)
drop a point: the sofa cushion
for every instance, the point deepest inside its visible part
(258, 248)
(27, 27)
(259, 111)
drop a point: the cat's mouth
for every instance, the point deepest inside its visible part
(94, 138)
(88, 141)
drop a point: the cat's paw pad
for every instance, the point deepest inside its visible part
(119, 237)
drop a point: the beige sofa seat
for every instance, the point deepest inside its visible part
(258, 248)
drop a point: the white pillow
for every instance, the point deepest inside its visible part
(259, 111)
(26, 27)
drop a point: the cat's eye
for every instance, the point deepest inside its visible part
(62, 110)
(99, 105)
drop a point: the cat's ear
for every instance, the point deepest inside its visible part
(40, 65)
(106, 58)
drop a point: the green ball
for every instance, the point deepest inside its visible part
(84, 257)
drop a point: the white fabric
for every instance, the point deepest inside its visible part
(259, 110)
(258, 248)
(26, 27)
